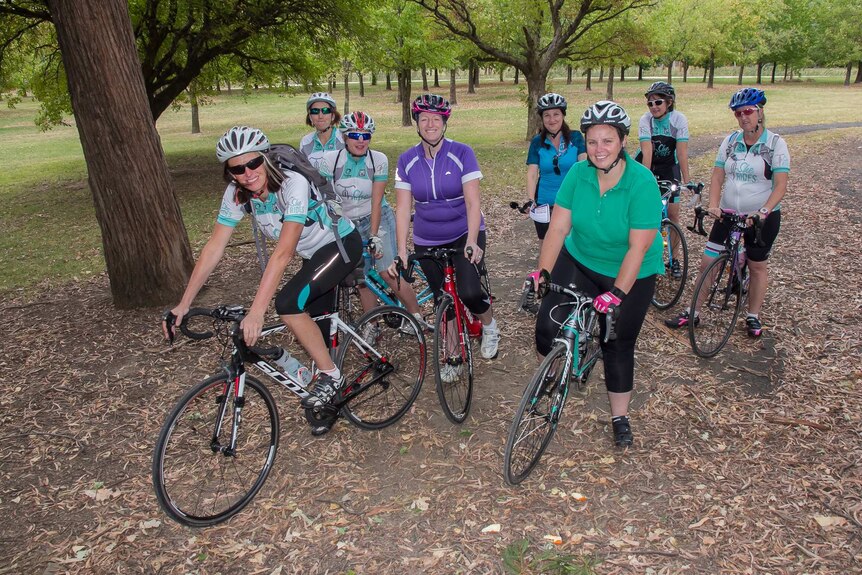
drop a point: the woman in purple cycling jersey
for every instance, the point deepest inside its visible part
(440, 178)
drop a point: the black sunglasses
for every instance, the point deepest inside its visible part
(252, 164)
(654, 103)
(557, 165)
(315, 111)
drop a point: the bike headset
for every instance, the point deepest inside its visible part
(608, 113)
(432, 104)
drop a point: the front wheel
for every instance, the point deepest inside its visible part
(536, 418)
(670, 285)
(199, 480)
(383, 378)
(722, 301)
(453, 362)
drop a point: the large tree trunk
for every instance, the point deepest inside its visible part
(146, 247)
(536, 84)
(858, 79)
(453, 96)
(711, 69)
(404, 85)
(609, 95)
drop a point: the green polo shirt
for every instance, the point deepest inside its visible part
(601, 222)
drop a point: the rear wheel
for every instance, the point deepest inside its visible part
(536, 418)
(670, 285)
(382, 378)
(453, 362)
(198, 480)
(722, 301)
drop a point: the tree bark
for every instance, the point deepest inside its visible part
(786, 66)
(569, 70)
(640, 72)
(739, 79)
(759, 72)
(470, 78)
(609, 94)
(670, 72)
(404, 85)
(436, 78)
(711, 83)
(774, 68)
(146, 247)
(424, 78)
(601, 73)
(589, 75)
(193, 102)
(346, 106)
(373, 78)
(847, 72)
(517, 76)
(389, 81)
(623, 74)
(536, 87)
(858, 79)
(685, 66)
(453, 95)
(361, 84)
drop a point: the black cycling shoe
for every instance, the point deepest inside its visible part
(676, 269)
(323, 428)
(322, 391)
(755, 329)
(622, 431)
(680, 320)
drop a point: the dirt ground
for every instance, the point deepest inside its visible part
(747, 463)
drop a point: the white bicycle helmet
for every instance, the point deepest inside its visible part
(240, 140)
(607, 113)
(551, 101)
(357, 122)
(320, 97)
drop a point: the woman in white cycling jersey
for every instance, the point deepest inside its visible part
(301, 226)
(750, 177)
(321, 114)
(359, 175)
(553, 151)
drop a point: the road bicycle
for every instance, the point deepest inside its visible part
(219, 442)
(670, 285)
(722, 288)
(454, 328)
(370, 278)
(574, 354)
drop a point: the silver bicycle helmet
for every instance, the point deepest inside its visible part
(357, 122)
(320, 97)
(607, 113)
(240, 140)
(551, 101)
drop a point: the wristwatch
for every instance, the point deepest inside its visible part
(764, 211)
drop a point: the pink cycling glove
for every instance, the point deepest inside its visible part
(606, 301)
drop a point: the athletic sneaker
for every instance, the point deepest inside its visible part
(322, 390)
(754, 326)
(680, 320)
(424, 325)
(622, 431)
(450, 373)
(676, 269)
(490, 341)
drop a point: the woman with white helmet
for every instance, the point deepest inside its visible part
(321, 114)
(359, 175)
(602, 238)
(287, 212)
(553, 151)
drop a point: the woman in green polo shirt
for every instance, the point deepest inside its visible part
(602, 237)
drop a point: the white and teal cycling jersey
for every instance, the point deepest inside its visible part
(266, 212)
(748, 172)
(297, 205)
(354, 177)
(313, 148)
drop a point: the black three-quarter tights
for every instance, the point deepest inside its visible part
(618, 355)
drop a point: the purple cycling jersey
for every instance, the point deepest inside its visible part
(438, 190)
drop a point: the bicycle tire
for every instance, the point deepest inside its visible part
(191, 477)
(536, 418)
(717, 316)
(385, 387)
(668, 289)
(456, 395)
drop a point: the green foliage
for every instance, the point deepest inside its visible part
(518, 560)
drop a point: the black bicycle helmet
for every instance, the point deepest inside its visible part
(662, 89)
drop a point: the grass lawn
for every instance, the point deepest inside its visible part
(48, 218)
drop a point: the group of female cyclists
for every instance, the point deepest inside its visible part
(596, 210)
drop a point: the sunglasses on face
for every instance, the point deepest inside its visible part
(557, 165)
(252, 164)
(655, 103)
(365, 136)
(316, 111)
(745, 112)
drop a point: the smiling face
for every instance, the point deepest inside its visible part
(553, 120)
(320, 121)
(253, 180)
(603, 145)
(658, 110)
(357, 147)
(430, 126)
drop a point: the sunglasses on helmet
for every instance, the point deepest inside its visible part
(556, 163)
(359, 136)
(252, 164)
(316, 111)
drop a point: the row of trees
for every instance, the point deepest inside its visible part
(108, 60)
